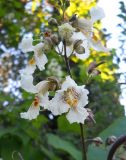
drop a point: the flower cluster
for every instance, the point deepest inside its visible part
(73, 38)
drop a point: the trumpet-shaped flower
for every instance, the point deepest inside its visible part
(41, 90)
(34, 109)
(39, 57)
(72, 99)
(86, 27)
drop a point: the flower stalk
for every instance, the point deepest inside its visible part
(81, 125)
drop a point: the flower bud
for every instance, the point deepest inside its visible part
(110, 140)
(98, 141)
(91, 67)
(95, 72)
(73, 18)
(90, 119)
(80, 50)
(47, 44)
(53, 83)
(52, 21)
(77, 43)
(55, 39)
(67, 3)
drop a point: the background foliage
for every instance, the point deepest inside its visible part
(48, 137)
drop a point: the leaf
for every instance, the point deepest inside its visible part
(118, 128)
(67, 127)
(64, 145)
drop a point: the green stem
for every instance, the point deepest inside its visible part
(81, 126)
(66, 59)
(83, 143)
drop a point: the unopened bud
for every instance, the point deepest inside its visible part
(52, 21)
(91, 67)
(95, 72)
(77, 43)
(73, 18)
(80, 50)
(55, 39)
(67, 3)
(110, 140)
(98, 141)
(53, 83)
(47, 44)
(90, 119)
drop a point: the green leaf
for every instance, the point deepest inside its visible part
(64, 145)
(67, 127)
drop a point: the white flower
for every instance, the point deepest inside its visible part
(66, 31)
(27, 85)
(70, 49)
(34, 109)
(72, 99)
(86, 27)
(41, 90)
(26, 44)
(39, 57)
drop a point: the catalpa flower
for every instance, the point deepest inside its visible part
(41, 91)
(39, 58)
(86, 27)
(72, 99)
(34, 109)
(79, 46)
(41, 98)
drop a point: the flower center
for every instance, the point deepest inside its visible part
(36, 102)
(95, 38)
(71, 97)
(31, 61)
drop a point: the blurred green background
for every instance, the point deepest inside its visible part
(49, 137)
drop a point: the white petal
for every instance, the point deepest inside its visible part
(44, 100)
(26, 44)
(86, 26)
(97, 45)
(42, 87)
(78, 115)
(83, 100)
(32, 113)
(82, 56)
(69, 82)
(40, 57)
(41, 60)
(78, 36)
(28, 70)
(27, 83)
(38, 48)
(96, 13)
(57, 106)
(60, 49)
